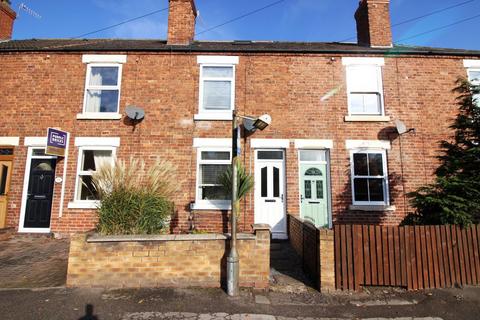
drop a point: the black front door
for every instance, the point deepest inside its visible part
(40, 192)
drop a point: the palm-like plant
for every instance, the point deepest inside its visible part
(244, 181)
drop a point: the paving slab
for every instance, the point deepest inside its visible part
(33, 262)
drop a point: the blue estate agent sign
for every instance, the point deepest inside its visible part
(56, 142)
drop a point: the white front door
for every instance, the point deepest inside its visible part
(270, 191)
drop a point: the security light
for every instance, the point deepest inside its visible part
(262, 122)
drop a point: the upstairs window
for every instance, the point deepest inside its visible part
(364, 86)
(102, 86)
(364, 90)
(102, 91)
(217, 87)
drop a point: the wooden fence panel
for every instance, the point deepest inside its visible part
(417, 257)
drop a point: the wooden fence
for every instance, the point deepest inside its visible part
(415, 257)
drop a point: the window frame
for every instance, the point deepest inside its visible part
(386, 193)
(79, 172)
(470, 78)
(210, 204)
(379, 72)
(201, 107)
(109, 88)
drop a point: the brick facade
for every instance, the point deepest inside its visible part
(169, 261)
(304, 91)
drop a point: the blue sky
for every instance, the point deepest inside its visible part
(291, 20)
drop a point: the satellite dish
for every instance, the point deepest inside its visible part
(135, 113)
(401, 127)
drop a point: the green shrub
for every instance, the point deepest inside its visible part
(134, 200)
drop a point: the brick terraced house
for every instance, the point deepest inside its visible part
(331, 155)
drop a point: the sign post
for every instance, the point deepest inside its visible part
(56, 142)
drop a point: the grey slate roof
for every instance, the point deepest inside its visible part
(124, 45)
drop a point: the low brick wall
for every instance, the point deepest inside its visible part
(167, 260)
(316, 249)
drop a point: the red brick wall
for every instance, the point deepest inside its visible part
(41, 90)
(7, 17)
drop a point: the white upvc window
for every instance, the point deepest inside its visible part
(89, 160)
(102, 87)
(364, 86)
(217, 87)
(211, 164)
(369, 177)
(474, 78)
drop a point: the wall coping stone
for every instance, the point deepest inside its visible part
(96, 238)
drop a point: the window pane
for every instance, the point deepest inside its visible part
(264, 182)
(371, 103)
(102, 101)
(93, 159)
(214, 155)
(104, 76)
(38, 153)
(312, 155)
(313, 172)
(87, 190)
(360, 187)
(365, 103)
(308, 189)
(376, 189)
(360, 164)
(276, 182)
(6, 151)
(218, 72)
(210, 173)
(270, 155)
(217, 95)
(474, 76)
(319, 189)
(3, 179)
(214, 193)
(375, 164)
(363, 78)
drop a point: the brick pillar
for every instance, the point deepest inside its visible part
(327, 260)
(7, 17)
(262, 244)
(373, 23)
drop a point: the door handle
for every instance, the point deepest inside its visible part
(302, 198)
(281, 197)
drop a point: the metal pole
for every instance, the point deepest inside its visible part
(233, 259)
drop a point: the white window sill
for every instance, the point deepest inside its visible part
(358, 207)
(83, 205)
(367, 118)
(99, 116)
(210, 206)
(214, 116)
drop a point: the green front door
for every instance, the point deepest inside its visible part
(313, 193)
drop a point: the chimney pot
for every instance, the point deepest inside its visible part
(373, 23)
(7, 17)
(181, 22)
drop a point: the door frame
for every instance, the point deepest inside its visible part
(9, 181)
(256, 161)
(26, 181)
(328, 180)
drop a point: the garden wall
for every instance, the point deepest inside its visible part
(190, 260)
(316, 249)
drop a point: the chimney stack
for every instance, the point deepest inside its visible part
(181, 22)
(373, 23)
(7, 17)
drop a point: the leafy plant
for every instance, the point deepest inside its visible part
(454, 197)
(133, 199)
(244, 182)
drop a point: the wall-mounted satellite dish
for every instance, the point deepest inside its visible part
(135, 113)
(401, 127)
